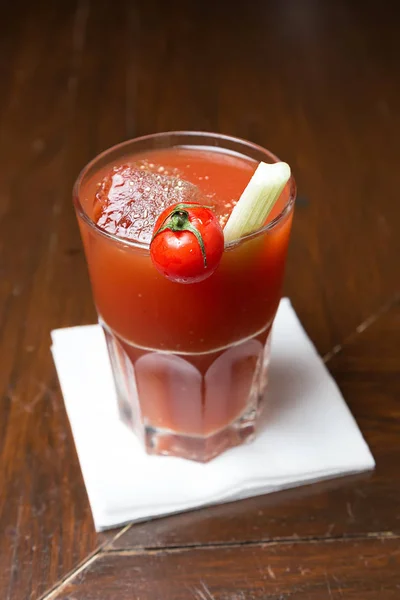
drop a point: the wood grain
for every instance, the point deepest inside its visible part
(362, 570)
(309, 81)
(44, 514)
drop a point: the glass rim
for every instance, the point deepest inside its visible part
(145, 245)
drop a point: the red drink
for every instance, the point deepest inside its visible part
(189, 360)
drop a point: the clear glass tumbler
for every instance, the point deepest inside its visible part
(190, 362)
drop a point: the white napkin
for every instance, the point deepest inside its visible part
(308, 434)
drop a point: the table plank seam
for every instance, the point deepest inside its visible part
(54, 593)
(107, 550)
(379, 535)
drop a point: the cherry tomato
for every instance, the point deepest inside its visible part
(187, 243)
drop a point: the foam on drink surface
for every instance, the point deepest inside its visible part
(129, 196)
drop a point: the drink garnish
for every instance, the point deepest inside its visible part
(257, 200)
(187, 243)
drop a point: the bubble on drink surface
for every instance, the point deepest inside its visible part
(130, 199)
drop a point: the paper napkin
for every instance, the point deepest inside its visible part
(308, 433)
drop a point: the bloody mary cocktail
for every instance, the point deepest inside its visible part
(189, 360)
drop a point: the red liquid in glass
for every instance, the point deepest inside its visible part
(189, 356)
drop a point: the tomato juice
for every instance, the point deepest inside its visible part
(189, 360)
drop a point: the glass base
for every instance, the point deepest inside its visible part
(198, 448)
(189, 409)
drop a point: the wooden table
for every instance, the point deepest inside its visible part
(318, 83)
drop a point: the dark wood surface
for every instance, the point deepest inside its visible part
(318, 83)
(334, 569)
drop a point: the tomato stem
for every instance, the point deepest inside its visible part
(178, 220)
